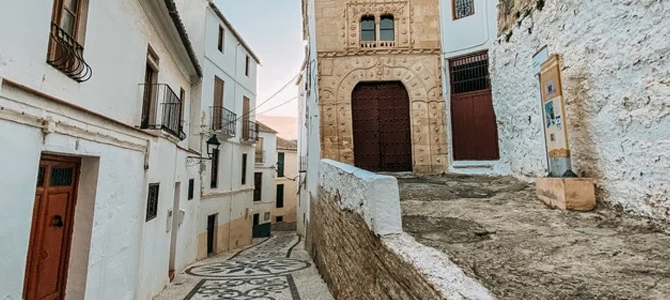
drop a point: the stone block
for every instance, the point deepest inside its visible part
(567, 193)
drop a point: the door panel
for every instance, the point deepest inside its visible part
(51, 232)
(474, 128)
(381, 124)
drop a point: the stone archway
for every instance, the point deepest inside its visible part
(421, 77)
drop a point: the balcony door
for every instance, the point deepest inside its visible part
(246, 127)
(150, 90)
(217, 115)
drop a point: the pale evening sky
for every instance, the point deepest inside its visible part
(273, 30)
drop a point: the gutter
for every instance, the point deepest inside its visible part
(181, 29)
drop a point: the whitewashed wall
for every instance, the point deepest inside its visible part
(310, 141)
(616, 61)
(269, 170)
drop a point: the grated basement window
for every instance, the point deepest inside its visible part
(469, 73)
(463, 8)
(152, 201)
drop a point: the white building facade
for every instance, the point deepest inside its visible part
(227, 98)
(94, 123)
(265, 174)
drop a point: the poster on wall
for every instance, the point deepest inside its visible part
(553, 110)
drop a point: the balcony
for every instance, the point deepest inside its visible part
(377, 44)
(249, 131)
(303, 164)
(161, 110)
(66, 55)
(223, 120)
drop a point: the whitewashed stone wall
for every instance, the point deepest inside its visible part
(616, 79)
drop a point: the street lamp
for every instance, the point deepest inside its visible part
(212, 146)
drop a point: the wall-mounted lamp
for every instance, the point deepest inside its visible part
(213, 145)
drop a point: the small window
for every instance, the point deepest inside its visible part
(260, 154)
(214, 183)
(368, 29)
(387, 28)
(244, 169)
(280, 196)
(280, 164)
(248, 66)
(152, 201)
(222, 38)
(258, 187)
(191, 188)
(280, 219)
(267, 216)
(463, 8)
(469, 73)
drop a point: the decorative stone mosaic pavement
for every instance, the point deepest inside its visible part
(268, 270)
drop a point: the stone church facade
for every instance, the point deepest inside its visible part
(368, 52)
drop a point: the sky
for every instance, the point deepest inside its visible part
(273, 30)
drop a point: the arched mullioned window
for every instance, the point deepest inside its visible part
(387, 28)
(368, 29)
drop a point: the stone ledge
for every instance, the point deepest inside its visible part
(374, 197)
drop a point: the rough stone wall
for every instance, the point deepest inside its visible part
(616, 65)
(354, 262)
(413, 58)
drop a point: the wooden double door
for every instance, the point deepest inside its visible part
(52, 227)
(381, 127)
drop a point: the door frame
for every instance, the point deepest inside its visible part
(68, 226)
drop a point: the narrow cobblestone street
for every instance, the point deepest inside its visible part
(277, 268)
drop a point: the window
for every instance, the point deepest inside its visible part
(257, 220)
(191, 188)
(214, 177)
(387, 28)
(368, 29)
(258, 185)
(182, 98)
(280, 164)
(68, 25)
(217, 120)
(222, 38)
(280, 219)
(266, 216)
(152, 201)
(469, 73)
(463, 8)
(248, 66)
(244, 169)
(280, 195)
(259, 151)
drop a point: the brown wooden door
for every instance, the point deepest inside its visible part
(381, 124)
(51, 233)
(473, 120)
(474, 128)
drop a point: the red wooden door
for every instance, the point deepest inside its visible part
(473, 120)
(51, 233)
(381, 124)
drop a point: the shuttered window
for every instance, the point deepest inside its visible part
(280, 196)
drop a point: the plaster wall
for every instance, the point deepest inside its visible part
(289, 211)
(614, 74)
(413, 59)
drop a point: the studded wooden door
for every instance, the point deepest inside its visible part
(51, 233)
(381, 124)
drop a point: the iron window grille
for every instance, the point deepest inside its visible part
(463, 8)
(470, 73)
(67, 55)
(152, 201)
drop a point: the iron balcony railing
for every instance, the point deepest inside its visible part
(303, 164)
(66, 55)
(249, 131)
(162, 109)
(224, 120)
